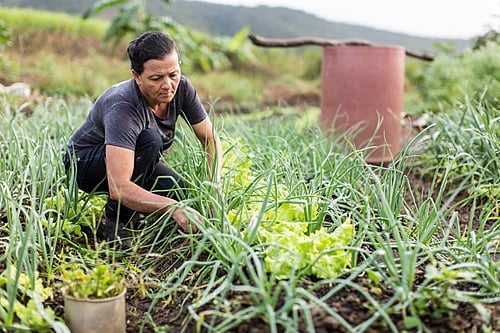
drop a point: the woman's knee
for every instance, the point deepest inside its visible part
(149, 141)
(149, 145)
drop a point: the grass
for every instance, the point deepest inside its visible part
(63, 55)
(60, 54)
(414, 255)
(273, 160)
(33, 20)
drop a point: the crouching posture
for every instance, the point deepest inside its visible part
(118, 147)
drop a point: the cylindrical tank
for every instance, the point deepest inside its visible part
(362, 92)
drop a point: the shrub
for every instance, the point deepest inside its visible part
(475, 74)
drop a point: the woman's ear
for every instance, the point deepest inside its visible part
(137, 77)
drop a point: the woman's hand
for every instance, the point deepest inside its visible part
(184, 216)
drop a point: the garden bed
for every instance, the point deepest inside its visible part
(423, 252)
(348, 302)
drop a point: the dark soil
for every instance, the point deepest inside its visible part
(348, 303)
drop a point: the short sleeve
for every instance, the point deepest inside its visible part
(123, 124)
(192, 109)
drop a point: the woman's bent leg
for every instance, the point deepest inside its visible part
(91, 178)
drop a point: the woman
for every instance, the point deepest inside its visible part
(117, 148)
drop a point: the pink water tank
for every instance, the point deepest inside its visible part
(362, 97)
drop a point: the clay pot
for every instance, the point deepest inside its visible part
(362, 92)
(95, 315)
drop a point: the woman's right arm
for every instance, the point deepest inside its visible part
(119, 168)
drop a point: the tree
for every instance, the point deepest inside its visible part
(133, 18)
(205, 52)
(491, 36)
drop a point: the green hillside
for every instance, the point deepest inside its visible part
(262, 20)
(285, 23)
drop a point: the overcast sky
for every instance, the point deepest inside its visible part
(429, 18)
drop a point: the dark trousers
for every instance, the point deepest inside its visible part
(148, 173)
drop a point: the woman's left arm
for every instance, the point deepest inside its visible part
(205, 132)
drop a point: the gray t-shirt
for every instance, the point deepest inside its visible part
(121, 113)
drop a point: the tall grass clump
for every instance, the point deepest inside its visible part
(258, 189)
(465, 141)
(31, 171)
(298, 222)
(461, 160)
(283, 167)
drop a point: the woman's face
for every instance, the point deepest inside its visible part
(159, 80)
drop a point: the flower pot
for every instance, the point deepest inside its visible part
(362, 93)
(95, 315)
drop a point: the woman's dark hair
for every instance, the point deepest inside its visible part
(149, 45)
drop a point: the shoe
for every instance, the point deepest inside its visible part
(118, 235)
(138, 221)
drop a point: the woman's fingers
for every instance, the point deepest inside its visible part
(184, 215)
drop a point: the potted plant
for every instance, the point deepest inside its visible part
(94, 299)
